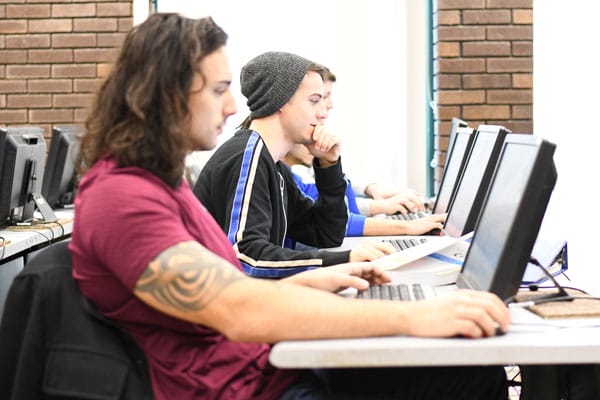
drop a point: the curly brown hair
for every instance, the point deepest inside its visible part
(140, 115)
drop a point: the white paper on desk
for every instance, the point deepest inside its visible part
(440, 268)
(404, 257)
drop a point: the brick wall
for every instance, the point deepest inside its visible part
(54, 54)
(483, 66)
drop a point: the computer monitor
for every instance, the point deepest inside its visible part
(454, 125)
(511, 216)
(23, 164)
(473, 183)
(59, 183)
(455, 162)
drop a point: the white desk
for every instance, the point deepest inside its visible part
(23, 241)
(524, 345)
(538, 347)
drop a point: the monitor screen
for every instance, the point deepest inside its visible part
(454, 164)
(23, 164)
(511, 216)
(59, 183)
(473, 183)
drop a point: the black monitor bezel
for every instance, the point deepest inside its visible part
(59, 182)
(468, 225)
(522, 234)
(453, 157)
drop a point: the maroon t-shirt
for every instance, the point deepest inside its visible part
(124, 218)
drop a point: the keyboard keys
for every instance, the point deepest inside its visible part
(403, 244)
(396, 292)
(410, 216)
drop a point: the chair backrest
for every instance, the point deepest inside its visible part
(54, 343)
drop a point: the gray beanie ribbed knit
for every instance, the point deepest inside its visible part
(269, 80)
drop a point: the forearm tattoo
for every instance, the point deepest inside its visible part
(187, 277)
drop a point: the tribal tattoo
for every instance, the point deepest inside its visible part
(187, 277)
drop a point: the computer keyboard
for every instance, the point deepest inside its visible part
(403, 244)
(397, 291)
(410, 216)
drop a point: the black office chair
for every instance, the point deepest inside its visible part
(54, 344)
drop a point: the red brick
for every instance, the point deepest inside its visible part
(29, 100)
(485, 81)
(114, 9)
(456, 33)
(74, 71)
(13, 26)
(522, 17)
(2, 71)
(460, 4)
(28, 11)
(522, 48)
(73, 10)
(447, 81)
(73, 40)
(510, 3)
(511, 32)
(509, 65)
(51, 115)
(2, 101)
(461, 97)
(95, 55)
(13, 116)
(50, 25)
(445, 126)
(460, 65)
(13, 86)
(522, 81)
(95, 25)
(81, 114)
(111, 39)
(518, 96)
(486, 48)
(519, 126)
(49, 86)
(485, 17)
(2, 11)
(46, 1)
(448, 17)
(447, 49)
(27, 41)
(50, 56)
(86, 85)
(125, 24)
(103, 70)
(13, 56)
(27, 71)
(522, 112)
(71, 100)
(486, 112)
(447, 112)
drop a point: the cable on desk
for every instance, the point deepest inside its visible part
(48, 239)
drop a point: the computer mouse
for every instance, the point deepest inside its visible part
(498, 332)
(434, 232)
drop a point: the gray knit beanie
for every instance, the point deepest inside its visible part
(269, 80)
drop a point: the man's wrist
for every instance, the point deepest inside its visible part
(367, 187)
(323, 163)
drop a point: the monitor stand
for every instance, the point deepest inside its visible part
(37, 202)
